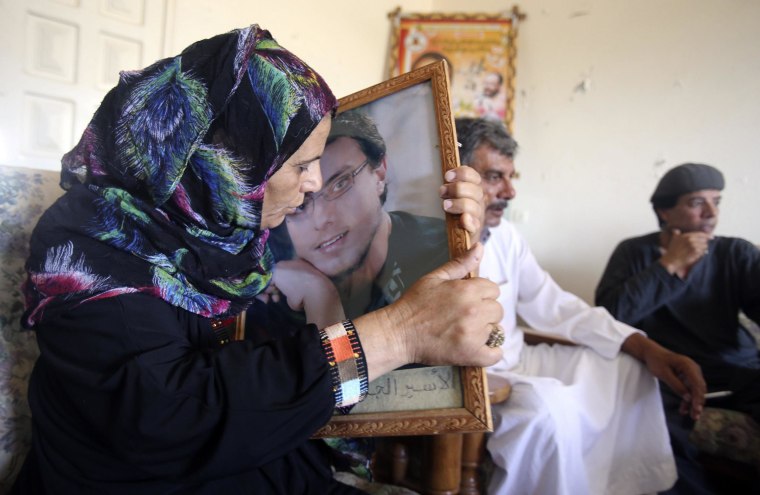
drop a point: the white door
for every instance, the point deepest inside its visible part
(58, 59)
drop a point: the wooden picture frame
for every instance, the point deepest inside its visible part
(394, 105)
(479, 48)
(412, 116)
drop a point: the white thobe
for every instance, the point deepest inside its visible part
(580, 420)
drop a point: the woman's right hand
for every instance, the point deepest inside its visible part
(443, 319)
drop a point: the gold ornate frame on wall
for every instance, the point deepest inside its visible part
(400, 100)
(480, 49)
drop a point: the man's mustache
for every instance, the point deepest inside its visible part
(499, 204)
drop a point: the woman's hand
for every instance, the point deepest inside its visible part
(463, 195)
(443, 319)
(308, 290)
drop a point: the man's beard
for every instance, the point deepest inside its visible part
(346, 273)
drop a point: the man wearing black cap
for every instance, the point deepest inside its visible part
(685, 287)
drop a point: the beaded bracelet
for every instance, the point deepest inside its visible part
(348, 366)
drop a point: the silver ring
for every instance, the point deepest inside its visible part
(496, 337)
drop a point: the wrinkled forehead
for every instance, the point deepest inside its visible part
(486, 158)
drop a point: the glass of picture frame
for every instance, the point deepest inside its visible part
(413, 115)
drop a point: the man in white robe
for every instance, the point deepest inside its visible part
(584, 419)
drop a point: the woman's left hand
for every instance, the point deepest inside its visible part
(463, 196)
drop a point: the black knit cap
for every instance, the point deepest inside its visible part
(686, 178)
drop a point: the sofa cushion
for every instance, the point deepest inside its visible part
(726, 433)
(24, 195)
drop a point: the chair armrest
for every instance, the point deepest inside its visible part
(499, 389)
(531, 337)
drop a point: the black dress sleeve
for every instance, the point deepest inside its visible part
(132, 381)
(747, 261)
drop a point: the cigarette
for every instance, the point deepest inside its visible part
(715, 395)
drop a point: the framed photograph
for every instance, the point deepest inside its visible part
(480, 50)
(375, 227)
(413, 115)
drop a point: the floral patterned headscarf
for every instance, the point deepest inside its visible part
(166, 186)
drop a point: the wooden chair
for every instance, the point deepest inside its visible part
(446, 464)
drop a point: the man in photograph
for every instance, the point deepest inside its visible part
(343, 235)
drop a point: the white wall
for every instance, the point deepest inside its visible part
(346, 41)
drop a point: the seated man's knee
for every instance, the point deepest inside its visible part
(526, 413)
